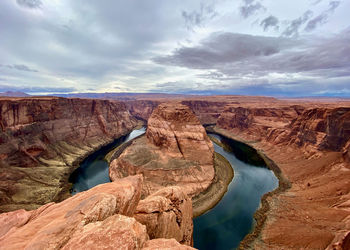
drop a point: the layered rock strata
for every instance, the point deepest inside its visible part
(101, 218)
(310, 145)
(175, 151)
(43, 139)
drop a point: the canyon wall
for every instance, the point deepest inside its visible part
(43, 139)
(207, 111)
(310, 144)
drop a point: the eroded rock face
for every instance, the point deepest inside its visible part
(103, 218)
(174, 128)
(175, 151)
(258, 123)
(167, 213)
(88, 215)
(42, 139)
(165, 244)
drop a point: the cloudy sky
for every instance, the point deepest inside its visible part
(253, 47)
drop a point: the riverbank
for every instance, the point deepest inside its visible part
(310, 209)
(212, 195)
(208, 198)
(260, 215)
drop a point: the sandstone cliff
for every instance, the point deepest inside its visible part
(207, 111)
(102, 218)
(43, 139)
(310, 145)
(175, 151)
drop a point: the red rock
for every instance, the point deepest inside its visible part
(13, 219)
(54, 225)
(165, 244)
(115, 232)
(176, 129)
(43, 139)
(175, 151)
(310, 145)
(167, 213)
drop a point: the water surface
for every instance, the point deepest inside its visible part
(225, 225)
(94, 169)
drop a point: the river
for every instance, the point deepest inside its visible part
(225, 225)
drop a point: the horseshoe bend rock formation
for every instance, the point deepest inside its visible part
(311, 147)
(43, 139)
(175, 151)
(102, 218)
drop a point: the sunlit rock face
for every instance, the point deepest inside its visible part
(108, 216)
(174, 128)
(175, 151)
(167, 213)
(43, 139)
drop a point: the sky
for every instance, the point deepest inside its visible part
(246, 47)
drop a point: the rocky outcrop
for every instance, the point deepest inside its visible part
(175, 151)
(167, 213)
(310, 145)
(101, 218)
(87, 215)
(175, 129)
(165, 244)
(43, 139)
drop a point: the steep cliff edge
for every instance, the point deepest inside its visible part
(207, 111)
(108, 216)
(43, 139)
(310, 145)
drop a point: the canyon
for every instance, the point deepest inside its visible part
(42, 140)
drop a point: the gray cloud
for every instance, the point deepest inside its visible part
(29, 3)
(323, 17)
(236, 55)
(270, 21)
(316, 2)
(21, 67)
(223, 48)
(250, 8)
(295, 25)
(196, 18)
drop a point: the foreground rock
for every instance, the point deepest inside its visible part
(100, 218)
(43, 139)
(175, 151)
(167, 213)
(310, 145)
(165, 244)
